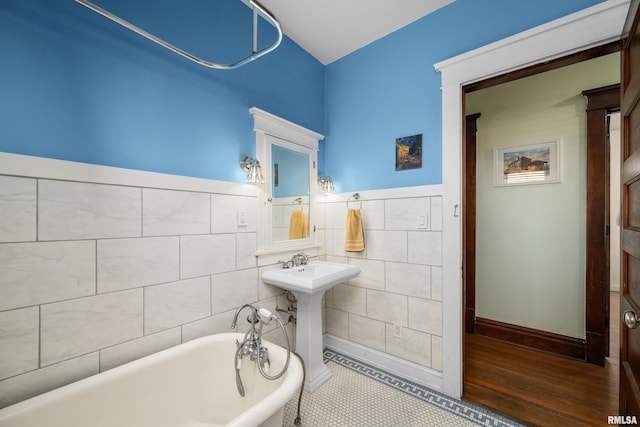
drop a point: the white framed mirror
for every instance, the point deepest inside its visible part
(287, 203)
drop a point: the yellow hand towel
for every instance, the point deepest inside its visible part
(354, 235)
(297, 226)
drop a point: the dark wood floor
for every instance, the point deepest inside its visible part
(541, 389)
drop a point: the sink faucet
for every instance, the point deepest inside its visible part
(300, 259)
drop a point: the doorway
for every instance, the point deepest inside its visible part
(601, 102)
(531, 49)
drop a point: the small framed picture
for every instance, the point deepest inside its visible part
(527, 164)
(409, 152)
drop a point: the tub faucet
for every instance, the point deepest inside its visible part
(251, 344)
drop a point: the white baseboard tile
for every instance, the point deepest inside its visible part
(408, 370)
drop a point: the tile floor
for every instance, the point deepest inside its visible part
(360, 395)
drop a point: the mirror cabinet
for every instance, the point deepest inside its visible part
(288, 154)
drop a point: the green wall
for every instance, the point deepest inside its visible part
(530, 248)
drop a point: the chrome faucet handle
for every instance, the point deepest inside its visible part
(286, 264)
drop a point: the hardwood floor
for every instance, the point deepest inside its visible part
(542, 389)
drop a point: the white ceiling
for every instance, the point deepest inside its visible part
(331, 29)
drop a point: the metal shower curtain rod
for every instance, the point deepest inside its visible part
(257, 7)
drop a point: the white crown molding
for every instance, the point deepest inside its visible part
(271, 124)
(594, 26)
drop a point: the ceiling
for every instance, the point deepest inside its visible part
(331, 29)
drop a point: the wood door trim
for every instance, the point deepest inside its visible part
(469, 223)
(600, 102)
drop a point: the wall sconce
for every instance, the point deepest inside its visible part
(327, 184)
(253, 169)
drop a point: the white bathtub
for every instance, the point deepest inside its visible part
(189, 385)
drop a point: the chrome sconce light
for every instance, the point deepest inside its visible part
(327, 184)
(253, 169)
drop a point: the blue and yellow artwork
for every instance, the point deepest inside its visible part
(409, 152)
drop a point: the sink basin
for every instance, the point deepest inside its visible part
(315, 277)
(308, 284)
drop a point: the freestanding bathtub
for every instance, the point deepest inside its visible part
(190, 385)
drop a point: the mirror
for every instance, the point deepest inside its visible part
(290, 204)
(289, 208)
(288, 154)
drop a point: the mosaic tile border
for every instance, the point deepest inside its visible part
(459, 408)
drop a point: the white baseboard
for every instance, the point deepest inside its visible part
(408, 370)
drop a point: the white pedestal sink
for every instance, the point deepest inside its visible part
(308, 283)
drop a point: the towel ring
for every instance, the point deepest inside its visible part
(298, 200)
(354, 196)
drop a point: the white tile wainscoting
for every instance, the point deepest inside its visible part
(391, 315)
(100, 266)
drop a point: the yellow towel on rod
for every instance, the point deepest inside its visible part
(354, 235)
(297, 226)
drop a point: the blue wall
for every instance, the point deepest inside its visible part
(76, 86)
(389, 89)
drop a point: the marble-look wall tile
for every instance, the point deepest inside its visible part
(387, 307)
(132, 350)
(132, 263)
(216, 324)
(387, 245)
(407, 214)
(233, 289)
(224, 213)
(19, 337)
(408, 279)
(41, 272)
(173, 304)
(337, 323)
(436, 213)
(367, 332)
(246, 247)
(76, 327)
(425, 247)
(75, 210)
(436, 352)
(207, 254)
(372, 212)
(336, 215)
(413, 345)
(436, 283)
(425, 315)
(320, 220)
(170, 212)
(21, 387)
(350, 298)
(17, 209)
(372, 274)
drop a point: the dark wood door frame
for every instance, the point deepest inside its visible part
(469, 223)
(595, 347)
(600, 102)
